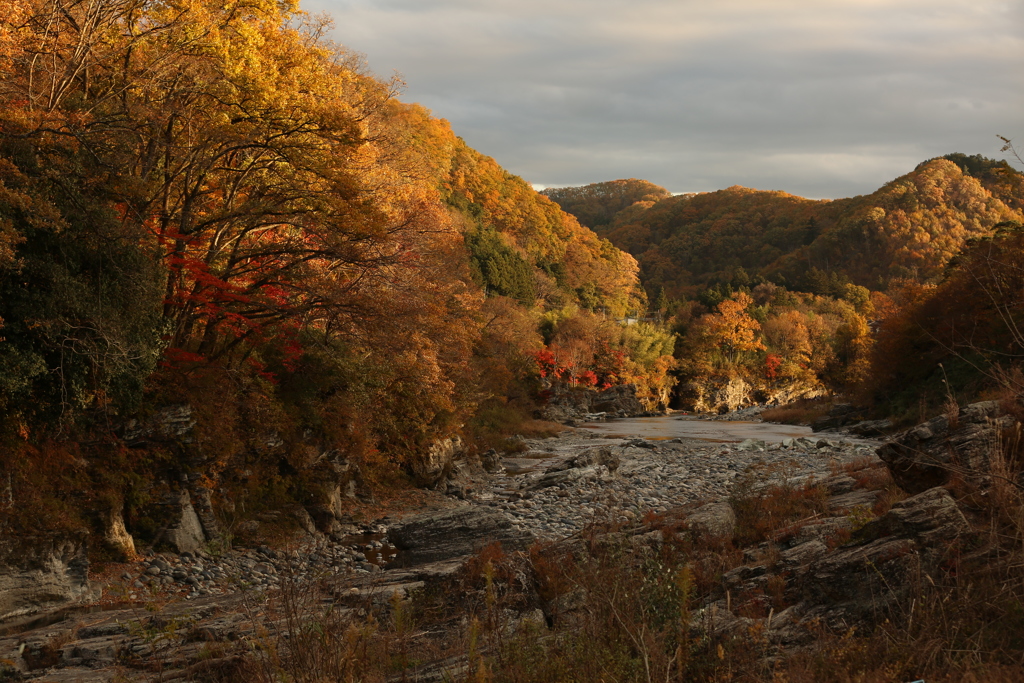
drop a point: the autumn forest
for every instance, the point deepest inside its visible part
(210, 205)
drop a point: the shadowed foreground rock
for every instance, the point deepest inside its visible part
(854, 585)
(453, 533)
(927, 455)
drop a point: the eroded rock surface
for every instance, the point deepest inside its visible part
(840, 568)
(454, 533)
(568, 405)
(40, 574)
(927, 455)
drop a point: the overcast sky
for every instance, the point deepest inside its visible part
(820, 98)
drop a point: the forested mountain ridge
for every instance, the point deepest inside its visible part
(772, 295)
(908, 229)
(210, 209)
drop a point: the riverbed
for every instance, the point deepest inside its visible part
(665, 427)
(660, 463)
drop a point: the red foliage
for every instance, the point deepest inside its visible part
(609, 365)
(175, 357)
(772, 363)
(546, 363)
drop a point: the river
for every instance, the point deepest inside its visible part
(666, 427)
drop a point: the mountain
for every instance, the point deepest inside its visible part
(908, 229)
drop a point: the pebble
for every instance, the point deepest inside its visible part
(653, 476)
(203, 574)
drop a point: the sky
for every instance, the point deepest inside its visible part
(819, 98)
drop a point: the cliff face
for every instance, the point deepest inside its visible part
(43, 574)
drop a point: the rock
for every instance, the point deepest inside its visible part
(752, 445)
(709, 397)
(491, 462)
(183, 532)
(305, 521)
(858, 583)
(435, 466)
(838, 484)
(555, 478)
(871, 427)
(249, 527)
(597, 456)
(43, 574)
(925, 456)
(851, 500)
(714, 519)
(591, 456)
(170, 423)
(453, 533)
(573, 404)
(929, 518)
(620, 400)
(802, 554)
(204, 511)
(838, 415)
(116, 536)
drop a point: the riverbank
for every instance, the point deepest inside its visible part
(553, 490)
(552, 497)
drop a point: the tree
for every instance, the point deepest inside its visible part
(732, 329)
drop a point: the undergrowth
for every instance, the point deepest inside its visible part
(803, 411)
(634, 603)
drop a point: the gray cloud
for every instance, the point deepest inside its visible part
(822, 98)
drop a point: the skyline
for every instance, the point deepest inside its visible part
(823, 100)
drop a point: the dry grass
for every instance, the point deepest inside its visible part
(803, 411)
(619, 608)
(766, 504)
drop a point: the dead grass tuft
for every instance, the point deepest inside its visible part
(803, 411)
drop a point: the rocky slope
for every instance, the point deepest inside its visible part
(839, 568)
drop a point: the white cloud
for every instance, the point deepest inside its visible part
(816, 97)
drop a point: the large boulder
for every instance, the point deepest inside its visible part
(182, 531)
(858, 583)
(591, 456)
(838, 415)
(927, 455)
(41, 574)
(437, 536)
(929, 518)
(437, 463)
(116, 536)
(619, 400)
(570, 404)
(715, 520)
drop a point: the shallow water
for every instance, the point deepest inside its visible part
(378, 556)
(666, 427)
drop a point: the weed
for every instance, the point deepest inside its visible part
(803, 411)
(766, 503)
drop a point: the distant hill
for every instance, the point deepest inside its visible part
(598, 204)
(908, 229)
